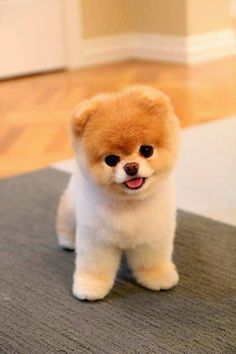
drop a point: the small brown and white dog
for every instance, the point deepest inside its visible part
(122, 195)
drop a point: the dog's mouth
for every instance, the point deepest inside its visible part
(135, 183)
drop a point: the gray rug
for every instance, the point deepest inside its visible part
(40, 315)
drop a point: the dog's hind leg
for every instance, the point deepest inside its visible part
(66, 222)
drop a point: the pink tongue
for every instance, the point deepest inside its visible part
(134, 183)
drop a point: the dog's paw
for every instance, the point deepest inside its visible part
(91, 286)
(162, 278)
(67, 243)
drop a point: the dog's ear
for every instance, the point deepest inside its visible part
(84, 111)
(149, 98)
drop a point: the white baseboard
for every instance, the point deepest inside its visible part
(107, 49)
(192, 49)
(209, 46)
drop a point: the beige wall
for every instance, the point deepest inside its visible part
(208, 15)
(105, 17)
(160, 16)
(169, 17)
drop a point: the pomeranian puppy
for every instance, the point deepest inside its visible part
(121, 196)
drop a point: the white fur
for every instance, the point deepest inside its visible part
(106, 225)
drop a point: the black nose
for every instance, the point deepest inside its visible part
(131, 168)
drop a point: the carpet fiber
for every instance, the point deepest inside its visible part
(40, 315)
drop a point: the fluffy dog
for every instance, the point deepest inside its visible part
(121, 196)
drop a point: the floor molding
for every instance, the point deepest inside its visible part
(107, 49)
(192, 49)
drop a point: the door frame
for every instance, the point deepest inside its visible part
(72, 22)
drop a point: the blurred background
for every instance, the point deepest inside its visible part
(55, 53)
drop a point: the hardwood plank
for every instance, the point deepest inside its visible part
(10, 137)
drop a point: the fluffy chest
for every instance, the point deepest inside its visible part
(122, 225)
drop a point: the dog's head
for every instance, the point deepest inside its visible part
(126, 142)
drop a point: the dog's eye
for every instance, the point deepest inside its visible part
(112, 160)
(146, 150)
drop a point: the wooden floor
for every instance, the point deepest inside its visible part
(35, 110)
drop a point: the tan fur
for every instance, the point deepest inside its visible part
(135, 119)
(119, 123)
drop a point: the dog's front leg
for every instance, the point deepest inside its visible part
(95, 269)
(152, 265)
